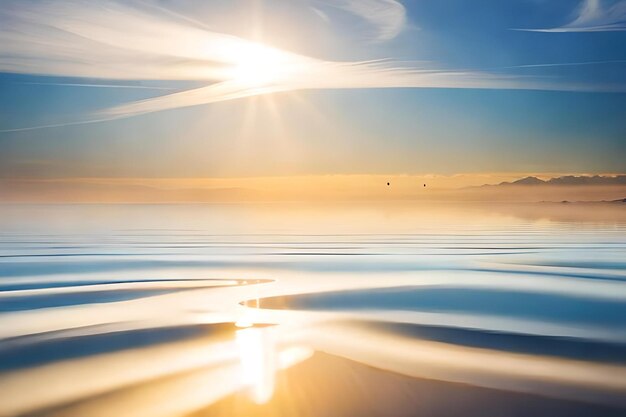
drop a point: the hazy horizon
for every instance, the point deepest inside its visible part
(460, 187)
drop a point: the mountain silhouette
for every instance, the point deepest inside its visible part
(567, 180)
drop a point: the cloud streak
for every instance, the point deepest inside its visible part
(132, 87)
(386, 17)
(567, 64)
(594, 17)
(305, 73)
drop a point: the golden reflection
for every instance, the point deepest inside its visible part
(247, 317)
(257, 351)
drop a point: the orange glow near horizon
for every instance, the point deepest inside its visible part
(326, 188)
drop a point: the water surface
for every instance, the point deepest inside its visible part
(255, 309)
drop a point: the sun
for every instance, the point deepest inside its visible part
(255, 65)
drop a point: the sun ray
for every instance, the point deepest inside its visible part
(250, 114)
(281, 134)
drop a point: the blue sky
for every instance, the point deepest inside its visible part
(552, 100)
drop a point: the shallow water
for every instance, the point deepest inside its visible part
(173, 309)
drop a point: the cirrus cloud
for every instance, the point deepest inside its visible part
(593, 16)
(387, 18)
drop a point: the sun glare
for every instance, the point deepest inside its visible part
(255, 65)
(258, 362)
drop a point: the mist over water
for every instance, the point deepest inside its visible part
(177, 309)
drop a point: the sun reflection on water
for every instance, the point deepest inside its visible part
(257, 351)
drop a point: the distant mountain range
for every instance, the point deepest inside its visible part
(567, 180)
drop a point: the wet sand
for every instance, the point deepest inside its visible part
(330, 386)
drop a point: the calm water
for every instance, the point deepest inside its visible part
(173, 309)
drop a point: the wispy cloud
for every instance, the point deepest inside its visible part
(132, 87)
(593, 16)
(568, 64)
(316, 75)
(387, 18)
(108, 39)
